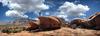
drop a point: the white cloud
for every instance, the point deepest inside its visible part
(0, 0)
(63, 16)
(25, 5)
(71, 9)
(14, 13)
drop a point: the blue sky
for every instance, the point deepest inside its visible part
(94, 6)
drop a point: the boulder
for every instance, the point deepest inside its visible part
(49, 22)
(79, 23)
(63, 22)
(32, 25)
(92, 23)
(95, 20)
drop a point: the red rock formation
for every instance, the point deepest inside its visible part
(93, 23)
(80, 23)
(49, 22)
(95, 20)
(32, 25)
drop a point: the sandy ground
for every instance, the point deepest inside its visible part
(59, 32)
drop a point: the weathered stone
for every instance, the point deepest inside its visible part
(49, 22)
(32, 25)
(81, 23)
(93, 23)
(95, 20)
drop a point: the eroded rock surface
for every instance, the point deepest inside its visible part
(49, 22)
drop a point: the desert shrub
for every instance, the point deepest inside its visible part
(11, 30)
(15, 30)
(5, 31)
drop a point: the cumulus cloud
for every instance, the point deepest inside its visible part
(14, 13)
(18, 8)
(71, 9)
(22, 6)
(63, 16)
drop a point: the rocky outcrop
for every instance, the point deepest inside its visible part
(93, 23)
(32, 25)
(79, 23)
(95, 20)
(53, 22)
(45, 23)
(49, 22)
